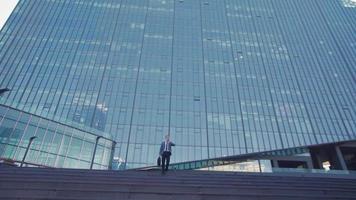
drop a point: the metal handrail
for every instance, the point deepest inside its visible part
(3, 90)
(94, 152)
(27, 148)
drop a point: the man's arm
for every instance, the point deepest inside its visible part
(172, 144)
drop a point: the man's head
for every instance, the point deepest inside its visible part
(166, 137)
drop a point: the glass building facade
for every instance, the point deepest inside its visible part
(223, 77)
(56, 144)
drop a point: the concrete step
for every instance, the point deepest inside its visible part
(52, 185)
(30, 183)
(106, 194)
(145, 196)
(182, 179)
(188, 174)
(197, 182)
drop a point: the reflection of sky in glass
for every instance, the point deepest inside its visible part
(6, 7)
(349, 3)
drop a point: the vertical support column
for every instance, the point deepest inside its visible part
(275, 163)
(340, 158)
(309, 163)
(315, 156)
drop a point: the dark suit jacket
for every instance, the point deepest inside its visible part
(170, 144)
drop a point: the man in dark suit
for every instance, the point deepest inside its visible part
(166, 151)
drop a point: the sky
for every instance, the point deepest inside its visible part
(6, 7)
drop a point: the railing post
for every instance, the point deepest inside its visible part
(93, 157)
(259, 166)
(27, 149)
(112, 154)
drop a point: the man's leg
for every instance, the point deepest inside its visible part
(163, 161)
(168, 159)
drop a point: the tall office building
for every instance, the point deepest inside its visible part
(224, 78)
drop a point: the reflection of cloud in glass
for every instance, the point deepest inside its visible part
(349, 3)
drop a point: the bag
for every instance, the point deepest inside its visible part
(159, 161)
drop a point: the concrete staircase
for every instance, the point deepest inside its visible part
(71, 184)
